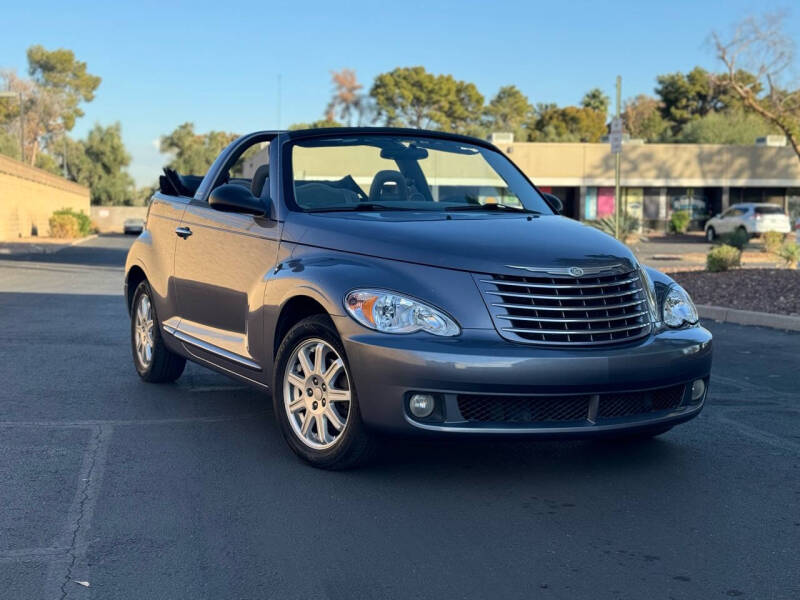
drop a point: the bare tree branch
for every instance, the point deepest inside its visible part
(760, 46)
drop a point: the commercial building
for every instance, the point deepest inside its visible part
(657, 179)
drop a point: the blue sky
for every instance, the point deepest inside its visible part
(217, 63)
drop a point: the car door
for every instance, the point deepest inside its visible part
(221, 264)
(726, 222)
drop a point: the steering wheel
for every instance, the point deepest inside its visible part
(383, 177)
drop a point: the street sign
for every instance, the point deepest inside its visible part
(615, 138)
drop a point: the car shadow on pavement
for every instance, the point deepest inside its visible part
(111, 253)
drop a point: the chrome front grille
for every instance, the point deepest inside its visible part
(609, 307)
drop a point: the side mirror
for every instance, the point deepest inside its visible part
(554, 202)
(232, 197)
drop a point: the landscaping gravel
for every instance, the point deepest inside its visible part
(764, 290)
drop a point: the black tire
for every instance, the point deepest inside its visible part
(711, 234)
(355, 446)
(165, 366)
(744, 231)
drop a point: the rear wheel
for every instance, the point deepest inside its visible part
(711, 234)
(154, 362)
(315, 400)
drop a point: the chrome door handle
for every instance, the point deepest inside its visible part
(183, 232)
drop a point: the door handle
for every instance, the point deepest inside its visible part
(183, 232)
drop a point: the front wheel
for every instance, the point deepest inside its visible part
(154, 362)
(314, 398)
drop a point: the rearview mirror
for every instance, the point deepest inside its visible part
(554, 202)
(233, 197)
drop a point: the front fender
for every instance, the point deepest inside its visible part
(327, 275)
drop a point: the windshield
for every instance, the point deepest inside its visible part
(769, 210)
(385, 172)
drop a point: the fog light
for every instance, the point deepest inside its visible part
(421, 405)
(698, 389)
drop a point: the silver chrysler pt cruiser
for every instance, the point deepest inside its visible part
(390, 280)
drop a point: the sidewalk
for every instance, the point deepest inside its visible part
(37, 245)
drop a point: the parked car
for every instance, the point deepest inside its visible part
(754, 219)
(388, 280)
(133, 225)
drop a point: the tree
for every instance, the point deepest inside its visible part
(509, 110)
(318, 124)
(728, 127)
(410, 96)
(347, 101)
(61, 83)
(100, 163)
(59, 72)
(567, 124)
(9, 144)
(596, 100)
(642, 118)
(761, 45)
(193, 152)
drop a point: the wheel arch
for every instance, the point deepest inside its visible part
(133, 278)
(294, 310)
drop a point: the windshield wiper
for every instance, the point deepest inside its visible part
(361, 207)
(497, 206)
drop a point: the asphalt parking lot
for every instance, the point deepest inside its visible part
(188, 490)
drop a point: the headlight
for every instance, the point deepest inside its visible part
(678, 308)
(389, 312)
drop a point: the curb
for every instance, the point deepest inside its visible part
(84, 239)
(748, 317)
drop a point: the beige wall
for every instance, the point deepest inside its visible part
(29, 196)
(111, 218)
(574, 165)
(654, 165)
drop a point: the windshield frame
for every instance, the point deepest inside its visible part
(299, 137)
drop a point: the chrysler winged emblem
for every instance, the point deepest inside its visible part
(575, 271)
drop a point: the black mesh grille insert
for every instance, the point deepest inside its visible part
(523, 409)
(543, 409)
(637, 403)
(607, 308)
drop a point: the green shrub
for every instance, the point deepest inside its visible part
(679, 221)
(722, 258)
(628, 226)
(64, 226)
(738, 239)
(85, 226)
(773, 241)
(790, 253)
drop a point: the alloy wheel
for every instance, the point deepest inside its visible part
(143, 331)
(316, 394)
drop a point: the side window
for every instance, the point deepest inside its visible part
(249, 167)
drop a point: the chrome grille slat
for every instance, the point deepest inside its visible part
(556, 285)
(607, 307)
(562, 308)
(572, 331)
(559, 297)
(555, 320)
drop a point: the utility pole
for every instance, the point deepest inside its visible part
(279, 100)
(616, 148)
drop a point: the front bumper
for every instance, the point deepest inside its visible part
(386, 368)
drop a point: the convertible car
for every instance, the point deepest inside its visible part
(378, 280)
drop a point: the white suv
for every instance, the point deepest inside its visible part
(754, 219)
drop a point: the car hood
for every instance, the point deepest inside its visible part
(478, 243)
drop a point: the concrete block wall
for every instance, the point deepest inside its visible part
(29, 196)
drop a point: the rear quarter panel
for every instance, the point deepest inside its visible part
(153, 251)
